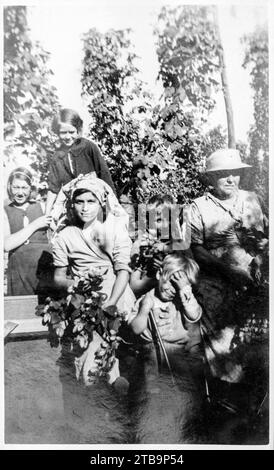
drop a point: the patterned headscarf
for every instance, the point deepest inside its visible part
(101, 190)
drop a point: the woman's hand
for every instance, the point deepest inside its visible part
(255, 269)
(262, 244)
(239, 277)
(43, 221)
(13, 240)
(110, 309)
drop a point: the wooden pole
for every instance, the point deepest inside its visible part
(225, 87)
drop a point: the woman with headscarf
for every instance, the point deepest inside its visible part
(25, 237)
(227, 240)
(96, 237)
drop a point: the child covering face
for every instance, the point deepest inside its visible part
(171, 302)
(169, 387)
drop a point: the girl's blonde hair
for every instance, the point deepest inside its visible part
(67, 116)
(180, 262)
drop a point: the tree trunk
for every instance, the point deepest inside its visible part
(225, 88)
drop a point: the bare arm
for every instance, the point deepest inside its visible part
(51, 197)
(191, 309)
(139, 323)
(14, 240)
(119, 286)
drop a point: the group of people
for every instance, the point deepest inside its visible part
(180, 303)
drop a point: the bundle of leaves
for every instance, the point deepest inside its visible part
(250, 237)
(252, 312)
(151, 247)
(74, 319)
(255, 242)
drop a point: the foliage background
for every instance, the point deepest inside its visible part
(152, 144)
(29, 100)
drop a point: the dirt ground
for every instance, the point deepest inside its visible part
(34, 411)
(45, 405)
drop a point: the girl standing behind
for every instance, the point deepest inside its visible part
(75, 156)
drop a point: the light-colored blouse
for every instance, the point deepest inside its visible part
(106, 244)
(213, 222)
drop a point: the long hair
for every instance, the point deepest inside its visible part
(66, 116)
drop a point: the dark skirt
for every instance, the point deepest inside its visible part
(30, 269)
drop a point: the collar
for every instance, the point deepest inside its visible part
(76, 149)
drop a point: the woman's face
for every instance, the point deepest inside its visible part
(20, 191)
(226, 182)
(67, 134)
(86, 207)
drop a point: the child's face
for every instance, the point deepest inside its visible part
(67, 134)
(166, 290)
(167, 287)
(86, 207)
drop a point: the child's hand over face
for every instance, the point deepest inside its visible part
(192, 309)
(180, 281)
(186, 294)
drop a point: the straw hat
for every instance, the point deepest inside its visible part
(224, 159)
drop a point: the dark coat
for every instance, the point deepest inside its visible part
(85, 157)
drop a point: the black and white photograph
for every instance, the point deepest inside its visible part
(135, 218)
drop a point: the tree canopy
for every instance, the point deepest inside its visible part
(29, 99)
(256, 61)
